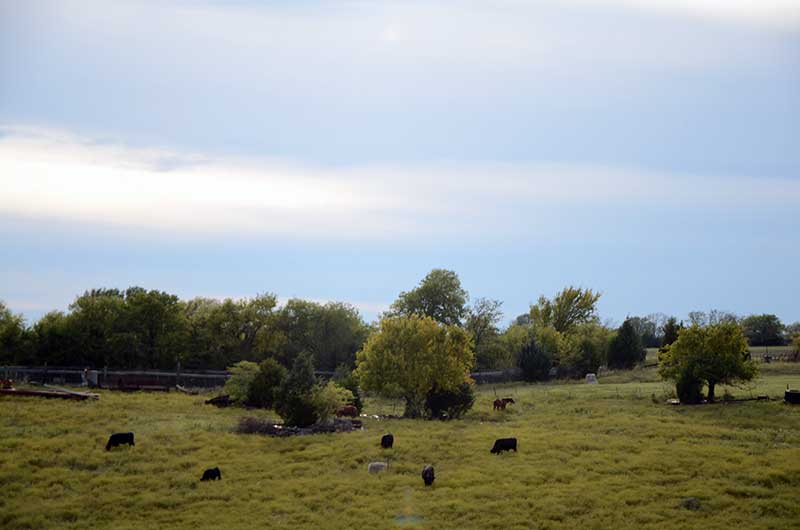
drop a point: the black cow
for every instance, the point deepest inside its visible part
(387, 441)
(504, 444)
(119, 438)
(212, 474)
(427, 475)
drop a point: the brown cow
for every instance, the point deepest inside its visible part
(347, 410)
(500, 404)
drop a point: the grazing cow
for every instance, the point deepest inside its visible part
(119, 438)
(212, 474)
(387, 441)
(504, 444)
(347, 410)
(377, 467)
(500, 404)
(427, 475)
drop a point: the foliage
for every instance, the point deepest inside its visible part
(329, 398)
(415, 354)
(439, 296)
(584, 350)
(648, 330)
(450, 404)
(242, 376)
(482, 321)
(626, 348)
(346, 378)
(715, 354)
(12, 333)
(689, 388)
(263, 390)
(295, 399)
(763, 330)
(571, 307)
(671, 330)
(535, 362)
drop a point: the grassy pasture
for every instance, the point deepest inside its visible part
(601, 456)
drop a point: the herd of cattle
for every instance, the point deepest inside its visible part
(387, 442)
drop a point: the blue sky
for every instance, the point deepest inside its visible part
(341, 150)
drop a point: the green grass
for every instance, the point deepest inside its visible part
(590, 456)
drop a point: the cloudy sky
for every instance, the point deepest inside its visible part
(649, 149)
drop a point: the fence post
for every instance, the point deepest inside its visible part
(178, 373)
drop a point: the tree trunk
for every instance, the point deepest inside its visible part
(711, 385)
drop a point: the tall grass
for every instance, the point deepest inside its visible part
(599, 456)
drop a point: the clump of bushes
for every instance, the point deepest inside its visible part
(295, 395)
(449, 404)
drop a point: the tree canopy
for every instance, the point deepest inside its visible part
(626, 349)
(571, 307)
(411, 355)
(714, 354)
(763, 330)
(439, 296)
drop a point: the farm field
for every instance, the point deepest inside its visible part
(603, 456)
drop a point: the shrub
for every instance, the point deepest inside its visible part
(295, 399)
(535, 362)
(450, 404)
(329, 398)
(238, 384)
(264, 388)
(689, 388)
(346, 378)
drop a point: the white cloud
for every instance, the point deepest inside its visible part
(57, 176)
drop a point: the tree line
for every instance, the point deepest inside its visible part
(139, 328)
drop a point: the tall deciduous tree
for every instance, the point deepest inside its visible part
(12, 331)
(571, 307)
(763, 330)
(715, 354)
(413, 355)
(439, 296)
(671, 330)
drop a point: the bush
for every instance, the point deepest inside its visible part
(345, 378)
(295, 400)
(264, 388)
(238, 384)
(535, 362)
(329, 398)
(450, 404)
(689, 388)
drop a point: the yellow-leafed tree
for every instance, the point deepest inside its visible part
(411, 355)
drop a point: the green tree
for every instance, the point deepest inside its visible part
(242, 376)
(626, 349)
(450, 404)
(715, 354)
(482, 321)
(584, 350)
(439, 296)
(329, 398)
(263, 389)
(671, 330)
(415, 354)
(12, 335)
(535, 362)
(571, 307)
(296, 401)
(763, 330)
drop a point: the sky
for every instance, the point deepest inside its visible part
(646, 149)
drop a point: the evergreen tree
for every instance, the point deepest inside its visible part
(295, 401)
(626, 349)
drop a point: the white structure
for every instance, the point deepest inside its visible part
(591, 379)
